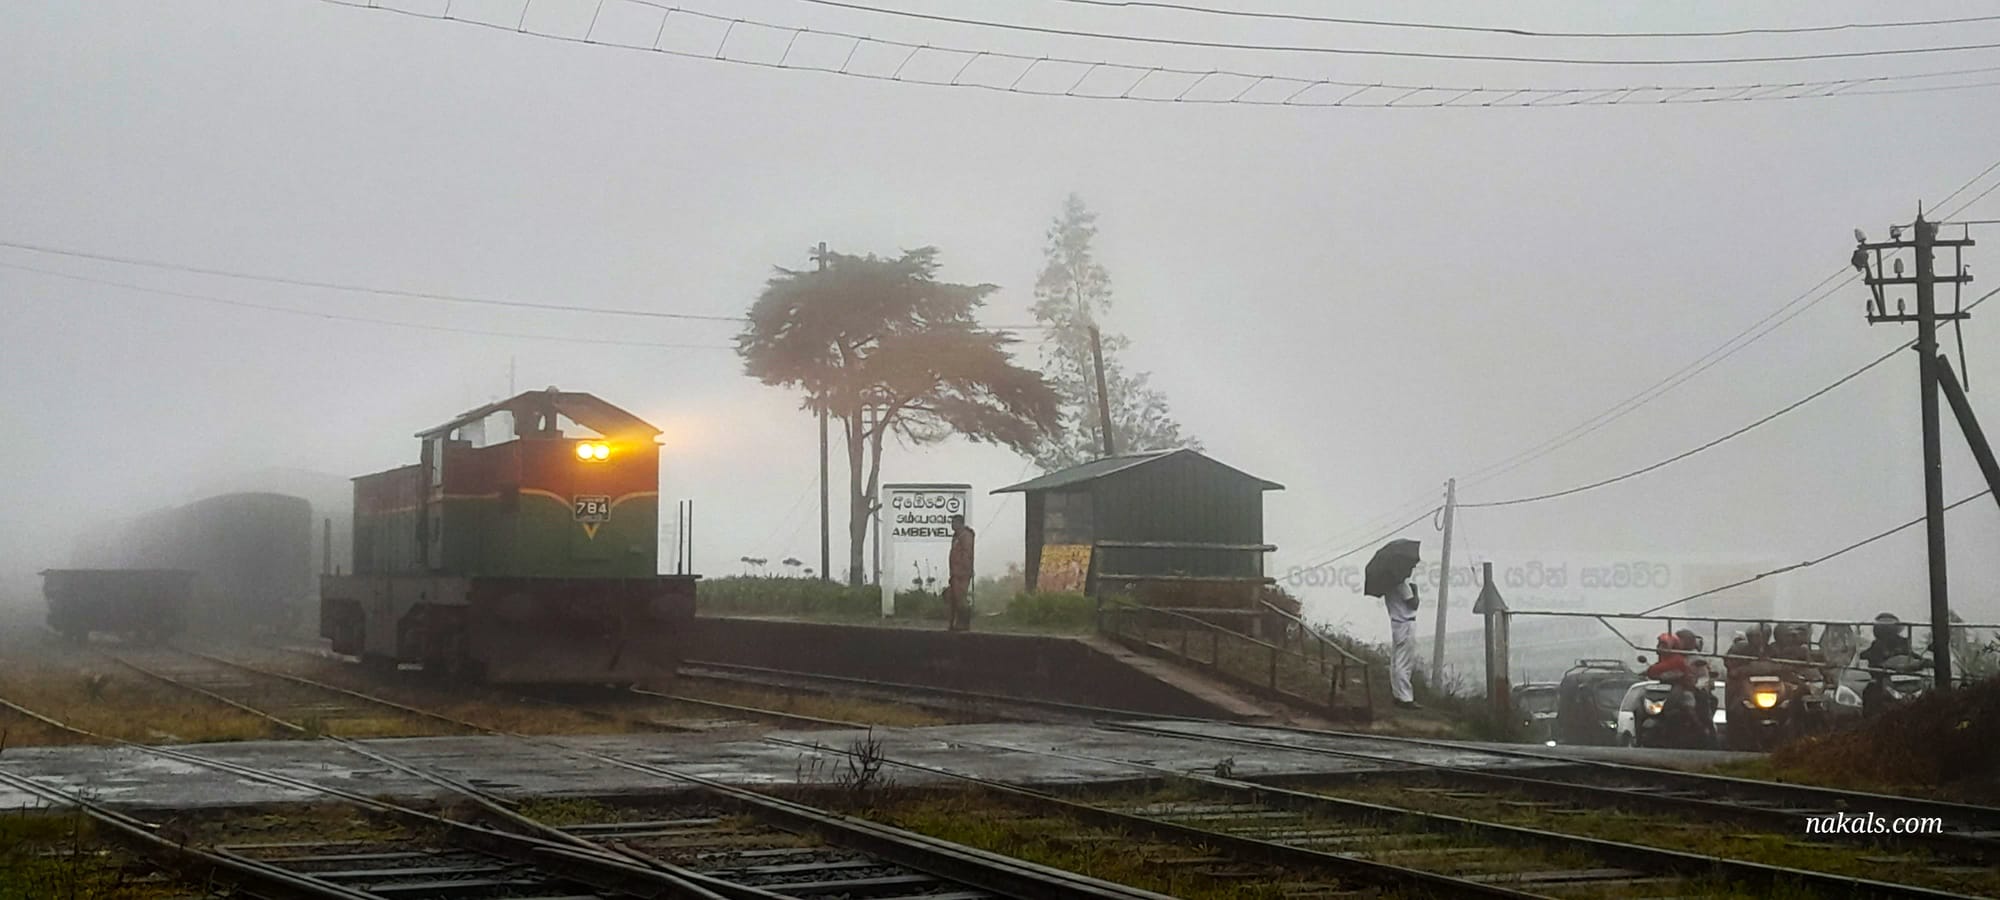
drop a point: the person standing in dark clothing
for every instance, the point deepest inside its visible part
(958, 585)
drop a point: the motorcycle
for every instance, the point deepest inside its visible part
(1776, 710)
(1899, 681)
(1669, 718)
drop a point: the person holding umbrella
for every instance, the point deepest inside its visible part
(1388, 577)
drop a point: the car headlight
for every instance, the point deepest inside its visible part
(1764, 699)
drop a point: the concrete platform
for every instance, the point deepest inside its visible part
(133, 779)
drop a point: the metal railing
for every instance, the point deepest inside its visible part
(1319, 678)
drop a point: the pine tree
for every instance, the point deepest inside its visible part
(1072, 292)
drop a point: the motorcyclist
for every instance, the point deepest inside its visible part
(1889, 654)
(1890, 642)
(1675, 668)
(1703, 682)
(1748, 656)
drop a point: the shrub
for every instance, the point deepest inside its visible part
(1051, 609)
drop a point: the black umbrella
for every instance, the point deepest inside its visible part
(1390, 566)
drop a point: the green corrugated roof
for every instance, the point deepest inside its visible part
(1098, 468)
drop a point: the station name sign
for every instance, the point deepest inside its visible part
(923, 512)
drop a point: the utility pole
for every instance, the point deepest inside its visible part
(1444, 581)
(1103, 401)
(825, 542)
(1106, 443)
(1923, 241)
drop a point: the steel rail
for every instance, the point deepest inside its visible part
(1371, 871)
(193, 863)
(1080, 709)
(1951, 842)
(585, 711)
(798, 718)
(989, 871)
(357, 695)
(519, 848)
(1986, 817)
(1654, 858)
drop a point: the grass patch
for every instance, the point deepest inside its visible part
(50, 855)
(1195, 873)
(1704, 838)
(562, 812)
(117, 703)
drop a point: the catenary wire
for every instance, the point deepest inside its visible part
(1296, 91)
(1521, 32)
(1155, 40)
(359, 288)
(348, 318)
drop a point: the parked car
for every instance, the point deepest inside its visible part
(1535, 704)
(1588, 699)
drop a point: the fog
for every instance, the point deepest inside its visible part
(1357, 303)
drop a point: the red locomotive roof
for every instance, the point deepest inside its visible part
(584, 409)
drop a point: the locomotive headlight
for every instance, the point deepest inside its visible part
(600, 451)
(589, 451)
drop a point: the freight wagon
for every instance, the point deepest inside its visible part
(521, 547)
(251, 554)
(141, 604)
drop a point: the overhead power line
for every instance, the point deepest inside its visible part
(1048, 75)
(362, 288)
(1810, 562)
(1357, 548)
(1690, 452)
(1523, 32)
(347, 318)
(1706, 361)
(1155, 40)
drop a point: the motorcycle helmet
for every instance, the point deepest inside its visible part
(1888, 627)
(1666, 641)
(1688, 640)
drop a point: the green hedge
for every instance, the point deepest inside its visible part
(807, 598)
(1051, 610)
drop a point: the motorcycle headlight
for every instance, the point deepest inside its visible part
(1653, 707)
(1764, 699)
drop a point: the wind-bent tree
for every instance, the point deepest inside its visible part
(885, 335)
(1073, 292)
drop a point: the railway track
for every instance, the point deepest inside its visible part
(1000, 706)
(1970, 833)
(1359, 845)
(741, 857)
(1253, 818)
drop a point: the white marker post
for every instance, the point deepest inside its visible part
(915, 513)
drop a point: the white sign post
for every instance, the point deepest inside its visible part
(914, 513)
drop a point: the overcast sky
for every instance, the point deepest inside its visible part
(1357, 303)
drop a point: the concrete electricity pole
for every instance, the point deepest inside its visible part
(825, 542)
(1923, 241)
(1444, 581)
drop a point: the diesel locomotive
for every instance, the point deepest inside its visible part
(521, 547)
